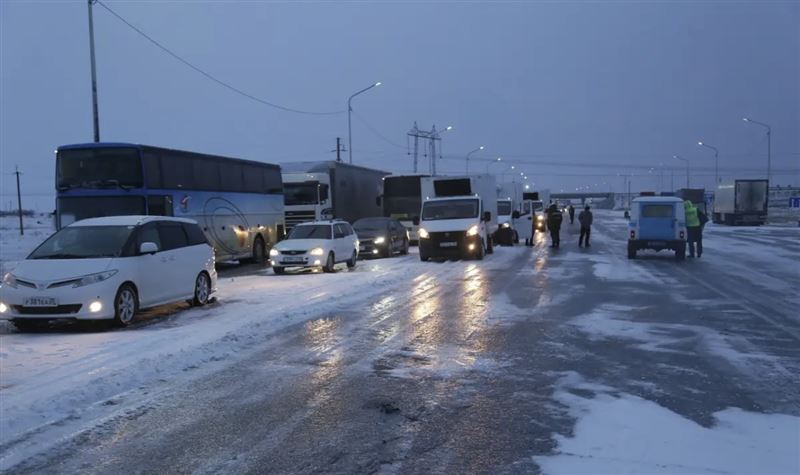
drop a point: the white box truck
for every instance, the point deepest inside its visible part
(330, 189)
(741, 202)
(458, 217)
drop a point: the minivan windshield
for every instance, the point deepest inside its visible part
(450, 209)
(311, 231)
(84, 242)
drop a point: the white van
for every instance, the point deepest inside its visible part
(657, 222)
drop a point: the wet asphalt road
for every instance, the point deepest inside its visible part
(455, 371)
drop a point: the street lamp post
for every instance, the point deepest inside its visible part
(716, 161)
(687, 168)
(470, 153)
(492, 163)
(349, 119)
(769, 146)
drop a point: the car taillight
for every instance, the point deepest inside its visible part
(680, 234)
(633, 234)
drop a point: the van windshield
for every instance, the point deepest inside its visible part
(450, 209)
(84, 242)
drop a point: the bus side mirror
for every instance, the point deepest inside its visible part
(415, 220)
(487, 216)
(148, 248)
(515, 215)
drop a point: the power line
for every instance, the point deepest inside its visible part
(209, 75)
(378, 134)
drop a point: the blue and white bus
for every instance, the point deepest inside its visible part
(238, 203)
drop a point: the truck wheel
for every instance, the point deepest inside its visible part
(516, 237)
(631, 253)
(489, 247)
(480, 254)
(329, 264)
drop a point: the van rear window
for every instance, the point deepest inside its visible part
(657, 211)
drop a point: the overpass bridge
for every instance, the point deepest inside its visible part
(599, 199)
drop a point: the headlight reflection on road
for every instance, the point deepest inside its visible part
(473, 313)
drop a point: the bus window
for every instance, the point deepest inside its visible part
(231, 177)
(98, 168)
(152, 168)
(176, 170)
(206, 174)
(159, 205)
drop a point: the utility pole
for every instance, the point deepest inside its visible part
(432, 136)
(95, 114)
(19, 202)
(339, 149)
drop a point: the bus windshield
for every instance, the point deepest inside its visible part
(98, 168)
(300, 193)
(504, 208)
(450, 209)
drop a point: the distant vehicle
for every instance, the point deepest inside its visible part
(506, 233)
(331, 190)
(381, 237)
(459, 217)
(238, 203)
(657, 222)
(109, 268)
(402, 200)
(741, 202)
(321, 244)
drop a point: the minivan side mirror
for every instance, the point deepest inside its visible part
(515, 215)
(487, 216)
(415, 220)
(148, 248)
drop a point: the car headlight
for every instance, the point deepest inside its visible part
(540, 217)
(317, 251)
(506, 225)
(274, 252)
(379, 240)
(423, 234)
(10, 280)
(473, 231)
(3, 307)
(94, 278)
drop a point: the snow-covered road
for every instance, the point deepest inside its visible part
(503, 365)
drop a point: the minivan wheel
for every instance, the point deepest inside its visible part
(328, 267)
(489, 245)
(202, 290)
(126, 305)
(352, 262)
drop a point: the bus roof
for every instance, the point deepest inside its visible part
(152, 147)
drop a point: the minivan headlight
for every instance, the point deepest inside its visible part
(473, 231)
(540, 217)
(506, 225)
(317, 251)
(95, 278)
(423, 234)
(10, 280)
(379, 240)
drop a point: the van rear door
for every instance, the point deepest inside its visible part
(657, 221)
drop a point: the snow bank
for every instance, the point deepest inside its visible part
(625, 434)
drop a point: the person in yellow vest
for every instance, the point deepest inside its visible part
(694, 229)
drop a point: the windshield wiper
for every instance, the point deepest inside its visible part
(60, 256)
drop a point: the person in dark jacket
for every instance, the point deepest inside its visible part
(585, 218)
(554, 218)
(571, 211)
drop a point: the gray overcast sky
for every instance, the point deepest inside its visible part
(592, 86)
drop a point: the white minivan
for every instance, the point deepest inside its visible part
(108, 268)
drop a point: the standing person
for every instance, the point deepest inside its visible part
(554, 218)
(571, 210)
(693, 231)
(703, 218)
(585, 218)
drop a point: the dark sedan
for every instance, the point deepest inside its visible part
(381, 237)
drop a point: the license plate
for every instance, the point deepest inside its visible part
(448, 244)
(41, 302)
(292, 259)
(362, 248)
(657, 243)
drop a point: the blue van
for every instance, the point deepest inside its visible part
(657, 222)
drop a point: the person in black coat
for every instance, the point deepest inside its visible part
(585, 218)
(571, 211)
(554, 219)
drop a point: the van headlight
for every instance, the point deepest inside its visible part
(94, 278)
(506, 225)
(473, 231)
(10, 280)
(274, 252)
(379, 240)
(540, 217)
(423, 234)
(317, 251)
